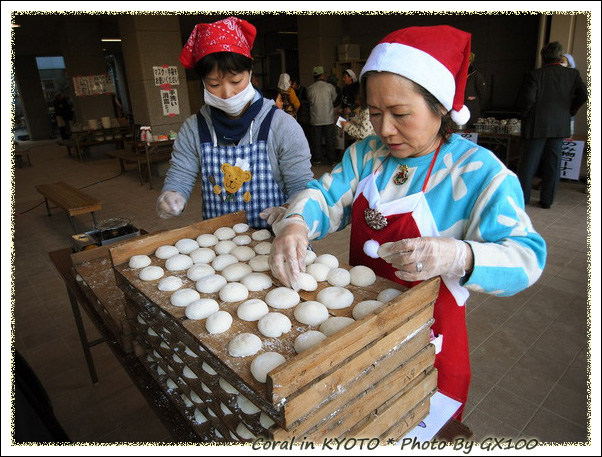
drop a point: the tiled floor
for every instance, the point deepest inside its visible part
(529, 352)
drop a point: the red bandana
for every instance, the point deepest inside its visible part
(228, 35)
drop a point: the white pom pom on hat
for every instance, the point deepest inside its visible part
(435, 57)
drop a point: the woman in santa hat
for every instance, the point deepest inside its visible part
(422, 201)
(251, 156)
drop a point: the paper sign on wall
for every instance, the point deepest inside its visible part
(93, 85)
(166, 75)
(169, 100)
(570, 162)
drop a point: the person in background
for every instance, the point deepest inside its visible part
(359, 126)
(63, 113)
(290, 102)
(350, 93)
(299, 89)
(275, 95)
(567, 61)
(251, 155)
(550, 96)
(422, 201)
(321, 96)
(477, 93)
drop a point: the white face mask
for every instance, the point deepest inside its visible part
(232, 106)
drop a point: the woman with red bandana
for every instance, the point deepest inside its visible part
(432, 202)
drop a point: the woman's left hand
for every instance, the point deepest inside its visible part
(417, 259)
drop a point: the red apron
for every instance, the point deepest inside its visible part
(410, 217)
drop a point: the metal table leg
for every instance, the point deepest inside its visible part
(86, 345)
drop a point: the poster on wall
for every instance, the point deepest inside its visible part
(570, 162)
(169, 100)
(166, 75)
(93, 85)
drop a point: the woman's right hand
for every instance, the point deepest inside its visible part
(170, 203)
(287, 257)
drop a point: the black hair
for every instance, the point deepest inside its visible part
(551, 52)
(434, 105)
(225, 62)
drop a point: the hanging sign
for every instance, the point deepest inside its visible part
(93, 85)
(169, 100)
(570, 162)
(166, 75)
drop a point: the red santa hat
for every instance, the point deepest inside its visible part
(435, 57)
(227, 35)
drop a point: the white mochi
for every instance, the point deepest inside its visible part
(371, 248)
(186, 401)
(307, 282)
(171, 384)
(273, 325)
(187, 350)
(199, 271)
(386, 295)
(328, 259)
(188, 373)
(334, 324)
(225, 409)
(165, 252)
(202, 255)
(240, 227)
(242, 240)
(184, 297)
(282, 298)
(199, 417)
(151, 332)
(227, 386)
(170, 283)
(244, 432)
(318, 271)
(246, 405)
(207, 240)
(362, 276)
(178, 262)
(265, 420)
(244, 345)
(211, 284)
(307, 340)
(264, 363)
(201, 308)
(243, 253)
(195, 398)
(261, 235)
(236, 271)
(335, 297)
(260, 263)
(233, 292)
(151, 273)
(224, 247)
(222, 261)
(252, 310)
(140, 319)
(339, 277)
(225, 233)
(207, 369)
(263, 248)
(365, 307)
(139, 261)
(311, 312)
(310, 257)
(256, 281)
(206, 388)
(186, 245)
(218, 322)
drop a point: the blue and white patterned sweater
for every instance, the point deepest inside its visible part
(472, 197)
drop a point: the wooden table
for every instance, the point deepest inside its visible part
(84, 138)
(167, 412)
(507, 146)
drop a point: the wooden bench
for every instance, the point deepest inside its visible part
(70, 199)
(158, 151)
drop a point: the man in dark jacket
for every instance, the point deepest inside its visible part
(551, 95)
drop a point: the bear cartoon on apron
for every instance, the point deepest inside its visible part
(410, 217)
(237, 178)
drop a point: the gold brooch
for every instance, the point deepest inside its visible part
(375, 219)
(402, 175)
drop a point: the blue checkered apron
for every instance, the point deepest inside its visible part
(261, 191)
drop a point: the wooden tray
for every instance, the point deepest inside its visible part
(344, 383)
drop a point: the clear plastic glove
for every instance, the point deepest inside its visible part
(273, 214)
(417, 259)
(170, 203)
(287, 257)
